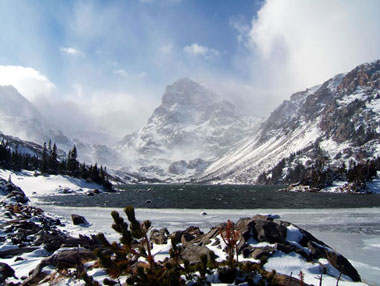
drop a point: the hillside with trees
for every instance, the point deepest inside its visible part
(49, 163)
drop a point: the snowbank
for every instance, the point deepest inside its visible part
(35, 186)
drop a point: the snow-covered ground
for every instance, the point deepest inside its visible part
(355, 233)
(53, 185)
(372, 187)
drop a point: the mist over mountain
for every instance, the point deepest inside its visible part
(191, 128)
(336, 123)
(20, 118)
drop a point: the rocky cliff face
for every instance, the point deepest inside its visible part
(190, 128)
(338, 120)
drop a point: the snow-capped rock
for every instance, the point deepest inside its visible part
(191, 128)
(337, 121)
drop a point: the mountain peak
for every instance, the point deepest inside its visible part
(186, 92)
(190, 128)
(365, 76)
(184, 81)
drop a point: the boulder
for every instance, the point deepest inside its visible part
(83, 240)
(285, 280)
(192, 252)
(62, 260)
(70, 258)
(343, 265)
(205, 239)
(190, 233)
(16, 251)
(159, 236)
(257, 253)
(36, 275)
(5, 272)
(269, 231)
(12, 192)
(79, 220)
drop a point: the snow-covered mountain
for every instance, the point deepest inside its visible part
(191, 128)
(19, 118)
(336, 123)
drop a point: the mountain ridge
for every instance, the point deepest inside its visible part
(341, 115)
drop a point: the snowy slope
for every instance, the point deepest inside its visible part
(51, 185)
(339, 118)
(190, 128)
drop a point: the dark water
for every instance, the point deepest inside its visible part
(214, 197)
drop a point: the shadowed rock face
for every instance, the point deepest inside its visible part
(5, 272)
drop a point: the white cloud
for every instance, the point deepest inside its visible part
(29, 82)
(142, 75)
(296, 44)
(239, 24)
(119, 113)
(166, 49)
(71, 51)
(121, 72)
(196, 50)
(78, 90)
(168, 1)
(104, 116)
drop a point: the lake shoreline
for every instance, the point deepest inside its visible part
(214, 197)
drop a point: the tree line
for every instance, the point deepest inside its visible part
(320, 175)
(49, 163)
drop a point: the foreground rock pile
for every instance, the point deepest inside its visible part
(28, 231)
(266, 250)
(260, 239)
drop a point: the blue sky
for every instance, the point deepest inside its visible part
(109, 43)
(106, 63)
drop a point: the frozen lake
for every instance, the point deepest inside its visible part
(214, 197)
(353, 232)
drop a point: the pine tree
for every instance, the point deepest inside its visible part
(72, 163)
(5, 154)
(49, 147)
(44, 163)
(53, 159)
(120, 259)
(101, 174)
(83, 171)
